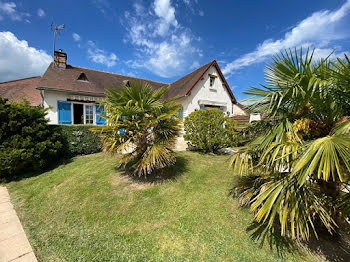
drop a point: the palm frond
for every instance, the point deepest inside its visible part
(324, 158)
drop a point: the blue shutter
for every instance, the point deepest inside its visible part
(64, 112)
(202, 107)
(122, 130)
(181, 113)
(100, 110)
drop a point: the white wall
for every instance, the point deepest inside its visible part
(50, 101)
(237, 111)
(203, 91)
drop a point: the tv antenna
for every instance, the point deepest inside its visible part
(55, 30)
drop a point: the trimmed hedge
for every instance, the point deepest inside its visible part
(27, 143)
(79, 140)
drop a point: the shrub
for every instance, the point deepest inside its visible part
(26, 141)
(79, 140)
(209, 130)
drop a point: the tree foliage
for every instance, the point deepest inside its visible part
(209, 130)
(141, 126)
(26, 141)
(294, 173)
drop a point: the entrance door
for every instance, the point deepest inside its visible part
(78, 113)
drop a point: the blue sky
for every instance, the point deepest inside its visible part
(164, 39)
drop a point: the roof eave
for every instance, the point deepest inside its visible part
(71, 91)
(233, 99)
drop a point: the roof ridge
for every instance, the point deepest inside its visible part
(117, 74)
(19, 79)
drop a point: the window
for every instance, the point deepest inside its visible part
(82, 77)
(89, 115)
(212, 80)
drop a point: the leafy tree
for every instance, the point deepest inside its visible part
(296, 171)
(142, 126)
(26, 141)
(209, 130)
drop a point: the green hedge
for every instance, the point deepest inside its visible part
(209, 130)
(26, 141)
(79, 140)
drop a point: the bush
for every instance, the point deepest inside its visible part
(209, 130)
(79, 140)
(253, 130)
(26, 141)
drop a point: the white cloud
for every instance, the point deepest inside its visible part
(195, 65)
(100, 56)
(166, 14)
(9, 9)
(76, 37)
(318, 30)
(41, 12)
(163, 46)
(20, 60)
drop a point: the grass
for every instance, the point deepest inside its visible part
(86, 211)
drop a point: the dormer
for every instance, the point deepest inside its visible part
(82, 77)
(126, 83)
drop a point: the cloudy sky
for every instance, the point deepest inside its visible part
(164, 39)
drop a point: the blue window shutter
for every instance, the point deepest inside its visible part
(100, 110)
(202, 107)
(122, 130)
(181, 113)
(64, 112)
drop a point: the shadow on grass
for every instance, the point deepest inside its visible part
(37, 172)
(159, 176)
(334, 247)
(261, 235)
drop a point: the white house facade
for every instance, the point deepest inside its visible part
(72, 94)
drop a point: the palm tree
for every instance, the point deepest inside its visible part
(296, 172)
(140, 125)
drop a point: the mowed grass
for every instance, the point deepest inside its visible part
(85, 210)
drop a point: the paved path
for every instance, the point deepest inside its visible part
(14, 245)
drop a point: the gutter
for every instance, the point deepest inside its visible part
(71, 91)
(42, 98)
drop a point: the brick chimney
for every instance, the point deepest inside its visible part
(60, 59)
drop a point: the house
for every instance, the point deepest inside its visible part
(242, 117)
(72, 94)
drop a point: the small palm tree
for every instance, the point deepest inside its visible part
(297, 172)
(141, 126)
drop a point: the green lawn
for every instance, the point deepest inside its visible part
(86, 211)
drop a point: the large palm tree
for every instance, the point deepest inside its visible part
(141, 126)
(296, 173)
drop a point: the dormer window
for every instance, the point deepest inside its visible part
(82, 77)
(126, 82)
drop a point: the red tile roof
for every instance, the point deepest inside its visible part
(23, 89)
(241, 119)
(66, 79)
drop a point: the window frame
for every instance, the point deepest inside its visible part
(211, 81)
(84, 112)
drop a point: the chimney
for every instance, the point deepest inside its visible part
(60, 59)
